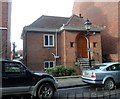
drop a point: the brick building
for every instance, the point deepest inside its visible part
(5, 21)
(106, 15)
(51, 41)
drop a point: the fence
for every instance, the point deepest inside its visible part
(98, 93)
(90, 94)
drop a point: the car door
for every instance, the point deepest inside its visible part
(0, 78)
(118, 67)
(15, 79)
(114, 71)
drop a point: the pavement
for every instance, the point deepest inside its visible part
(70, 81)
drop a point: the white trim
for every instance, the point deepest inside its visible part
(49, 64)
(3, 28)
(49, 40)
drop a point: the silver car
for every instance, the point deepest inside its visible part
(107, 74)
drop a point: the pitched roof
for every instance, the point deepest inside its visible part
(75, 20)
(53, 23)
(49, 22)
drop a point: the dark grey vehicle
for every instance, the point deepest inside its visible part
(18, 79)
(107, 74)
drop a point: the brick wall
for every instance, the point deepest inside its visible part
(104, 14)
(5, 20)
(36, 52)
(69, 54)
(119, 31)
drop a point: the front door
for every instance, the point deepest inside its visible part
(82, 47)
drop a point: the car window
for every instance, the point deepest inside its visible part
(13, 68)
(114, 67)
(97, 67)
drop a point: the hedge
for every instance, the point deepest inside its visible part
(60, 71)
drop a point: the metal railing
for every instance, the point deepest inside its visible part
(98, 93)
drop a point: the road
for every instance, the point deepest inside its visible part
(80, 92)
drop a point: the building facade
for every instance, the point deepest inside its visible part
(105, 14)
(51, 41)
(5, 23)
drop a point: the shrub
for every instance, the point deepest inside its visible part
(61, 71)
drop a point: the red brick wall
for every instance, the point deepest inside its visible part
(36, 52)
(69, 54)
(119, 31)
(104, 14)
(96, 51)
(5, 19)
(4, 14)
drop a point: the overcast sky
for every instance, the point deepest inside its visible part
(24, 12)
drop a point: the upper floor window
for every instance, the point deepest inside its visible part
(48, 40)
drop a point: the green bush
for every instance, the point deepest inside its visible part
(61, 71)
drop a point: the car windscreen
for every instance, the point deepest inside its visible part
(97, 67)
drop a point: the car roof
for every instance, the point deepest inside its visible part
(7, 60)
(110, 63)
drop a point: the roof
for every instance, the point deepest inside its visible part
(53, 23)
(49, 22)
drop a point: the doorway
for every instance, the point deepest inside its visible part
(82, 47)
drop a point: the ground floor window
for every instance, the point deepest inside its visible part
(49, 64)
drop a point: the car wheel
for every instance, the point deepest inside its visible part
(109, 84)
(46, 90)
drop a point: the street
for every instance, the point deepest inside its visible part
(80, 92)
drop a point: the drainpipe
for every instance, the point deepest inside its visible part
(56, 49)
(56, 42)
(56, 53)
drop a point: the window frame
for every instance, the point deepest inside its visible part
(94, 44)
(49, 64)
(49, 45)
(116, 67)
(11, 68)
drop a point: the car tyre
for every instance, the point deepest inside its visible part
(45, 91)
(109, 84)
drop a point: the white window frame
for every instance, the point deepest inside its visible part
(48, 35)
(49, 64)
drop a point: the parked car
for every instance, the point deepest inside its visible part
(18, 79)
(106, 74)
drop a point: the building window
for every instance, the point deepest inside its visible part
(49, 64)
(71, 44)
(48, 40)
(94, 44)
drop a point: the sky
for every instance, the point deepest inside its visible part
(24, 12)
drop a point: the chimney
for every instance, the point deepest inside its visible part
(80, 15)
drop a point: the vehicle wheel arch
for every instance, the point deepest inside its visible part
(110, 79)
(106, 78)
(37, 86)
